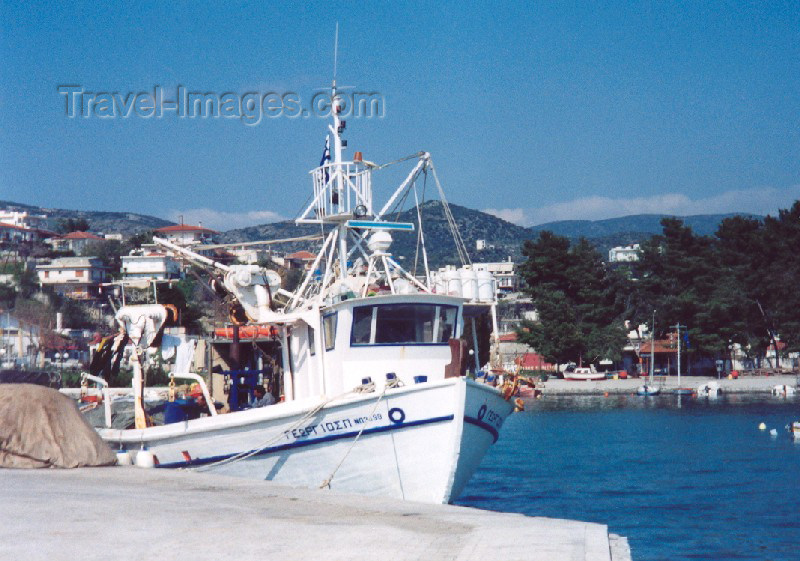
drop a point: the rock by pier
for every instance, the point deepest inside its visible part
(131, 514)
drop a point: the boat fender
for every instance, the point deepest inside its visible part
(146, 459)
(124, 458)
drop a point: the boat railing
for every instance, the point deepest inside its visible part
(106, 396)
(338, 189)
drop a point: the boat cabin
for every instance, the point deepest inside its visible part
(404, 334)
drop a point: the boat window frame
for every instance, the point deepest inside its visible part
(312, 344)
(329, 345)
(439, 308)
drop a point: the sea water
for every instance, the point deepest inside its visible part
(696, 480)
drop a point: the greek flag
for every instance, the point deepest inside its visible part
(326, 157)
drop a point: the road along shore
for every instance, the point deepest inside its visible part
(741, 385)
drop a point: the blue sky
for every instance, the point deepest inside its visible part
(537, 110)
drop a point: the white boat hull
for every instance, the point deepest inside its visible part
(418, 443)
(648, 390)
(588, 377)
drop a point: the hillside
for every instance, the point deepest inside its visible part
(125, 223)
(473, 225)
(701, 224)
(503, 239)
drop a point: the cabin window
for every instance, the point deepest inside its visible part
(311, 346)
(362, 325)
(329, 331)
(403, 324)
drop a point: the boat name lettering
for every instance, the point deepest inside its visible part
(329, 426)
(302, 432)
(493, 419)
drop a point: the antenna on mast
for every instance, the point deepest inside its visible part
(335, 52)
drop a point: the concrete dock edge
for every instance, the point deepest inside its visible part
(133, 514)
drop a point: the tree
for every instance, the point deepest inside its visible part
(578, 299)
(780, 274)
(138, 240)
(67, 225)
(110, 252)
(25, 280)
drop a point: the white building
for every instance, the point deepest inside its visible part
(505, 274)
(151, 265)
(22, 219)
(74, 277)
(14, 233)
(75, 242)
(184, 234)
(19, 343)
(624, 253)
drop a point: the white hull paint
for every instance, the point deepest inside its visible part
(584, 376)
(648, 390)
(419, 443)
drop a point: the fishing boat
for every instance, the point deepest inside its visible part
(584, 373)
(783, 390)
(794, 429)
(709, 389)
(374, 397)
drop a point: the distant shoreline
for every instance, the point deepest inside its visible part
(742, 385)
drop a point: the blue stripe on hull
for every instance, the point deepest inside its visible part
(480, 424)
(309, 442)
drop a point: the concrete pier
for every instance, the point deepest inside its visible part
(133, 514)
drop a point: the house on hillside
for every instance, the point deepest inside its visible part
(513, 310)
(13, 233)
(624, 253)
(23, 219)
(185, 234)
(75, 277)
(152, 265)
(299, 260)
(76, 242)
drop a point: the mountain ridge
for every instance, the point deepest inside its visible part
(503, 239)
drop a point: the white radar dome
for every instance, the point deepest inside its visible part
(380, 241)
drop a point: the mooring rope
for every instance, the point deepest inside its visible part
(327, 483)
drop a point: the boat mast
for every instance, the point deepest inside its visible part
(336, 130)
(652, 347)
(678, 327)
